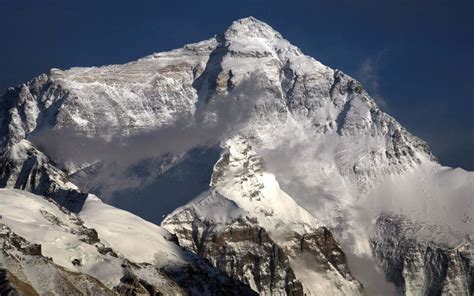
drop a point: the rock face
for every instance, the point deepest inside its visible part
(5, 287)
(25, 167)
(422, 266)
(243, 250)
(247, 227)
(285, 121)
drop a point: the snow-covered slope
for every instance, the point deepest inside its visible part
(50, 249)
(143, 242)
(31, 273)
(320, 135)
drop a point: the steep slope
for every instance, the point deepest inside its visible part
(423, 265)
(248, 227)
(25, 167)
(141, 241)
(103, 101)
(317, 130)
(53, 251)
(34, 274)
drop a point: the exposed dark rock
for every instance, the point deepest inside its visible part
(6, 289)
(25, 167)
(417, 265)
(244, 251)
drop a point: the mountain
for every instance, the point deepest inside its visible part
(281, 173)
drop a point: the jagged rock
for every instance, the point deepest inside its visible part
(421, 266)
(247, 227)
(5, 286)
(78, 262)
(131, 285)
(37, 274)
(243, 250)
(25, 167)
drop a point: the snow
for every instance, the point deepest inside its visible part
(241, 187)
(274, 209)
(24, 150)
(322, 141)
(251, 27)
(130, 235)
(318, 283)
(441, 198)
(26, 213)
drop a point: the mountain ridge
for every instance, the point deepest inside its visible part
(321, 135)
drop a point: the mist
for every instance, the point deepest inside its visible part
(123, 166)
(224, 115)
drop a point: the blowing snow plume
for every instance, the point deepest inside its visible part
(221, 117)
(173, 161)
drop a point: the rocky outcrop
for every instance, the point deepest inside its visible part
(27, 107)
(25, 167)
(37, 274)
(420, 265)
(6, 287)
(323, 247)
(201, 278)
(248, 228)
(243, 250)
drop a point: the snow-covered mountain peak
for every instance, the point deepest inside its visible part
(331, 156)
(251, 27)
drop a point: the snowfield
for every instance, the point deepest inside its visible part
(130, 235)
(58, 232)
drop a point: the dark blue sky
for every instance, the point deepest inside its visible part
(416, 57)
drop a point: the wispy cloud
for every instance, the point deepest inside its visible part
(369, 76)
(114, 160)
